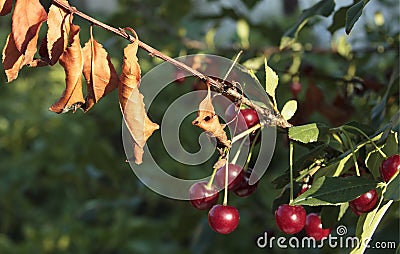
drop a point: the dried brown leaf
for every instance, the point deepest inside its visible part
(72, 62)
(99, 73)
(27, 18)
(5, 7)
(131, 102)
(138, 123)
(57, 33)
(130, 76)
(12, 59)
(209, 122)
(31, 49)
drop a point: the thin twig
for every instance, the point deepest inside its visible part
(267, 117)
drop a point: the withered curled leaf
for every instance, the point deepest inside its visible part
(209, 122)
(12, 59)
(5, 7)
(131, 102)
(72, 62)
(28, 16)
(99, 72)
(57, 34)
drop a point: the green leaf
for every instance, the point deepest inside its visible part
(334, 144)
(322, 8)
(271, 81)
(254, 63)
(353, 14)
(367, 224)
(339, 19)
(334, 190)
(343, 209)
(307, 133)
(393, 190)
(210, 37)
(289, 109)
(243, 31)
(344, 48)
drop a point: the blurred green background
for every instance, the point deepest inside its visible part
(64, 183)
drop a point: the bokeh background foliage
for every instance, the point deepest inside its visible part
(64, 185)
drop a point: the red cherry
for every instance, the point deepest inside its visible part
(223, 219)
(202, 197)
(290, 219)
(245, 189)
(314, 228)
(295, 88)
(235, 176)
(250, 117)
(234, 120)
(366, 202)
(390, 167)
(355, 211)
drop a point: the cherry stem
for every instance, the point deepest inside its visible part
(210, 182)
(353, 155)
(291, 170)
(234, 160)
(245, 133)
(369, 139)
(225, 202)
(246, 166)
(268, 116)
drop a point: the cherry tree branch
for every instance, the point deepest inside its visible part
(267, 116)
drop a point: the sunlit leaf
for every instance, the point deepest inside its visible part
(271, 81)
(72, 62)
(99, 72)
(208, 121)
(254, 63)
(307, 133)
(131, 103)
(12, 59)
(289, 109)
(367, 224)
(344, 48)
(5, 7)
(243, 31)
(57, 34)
(28, 16)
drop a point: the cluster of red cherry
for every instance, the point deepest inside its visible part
(292, 219)
(224, 218)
